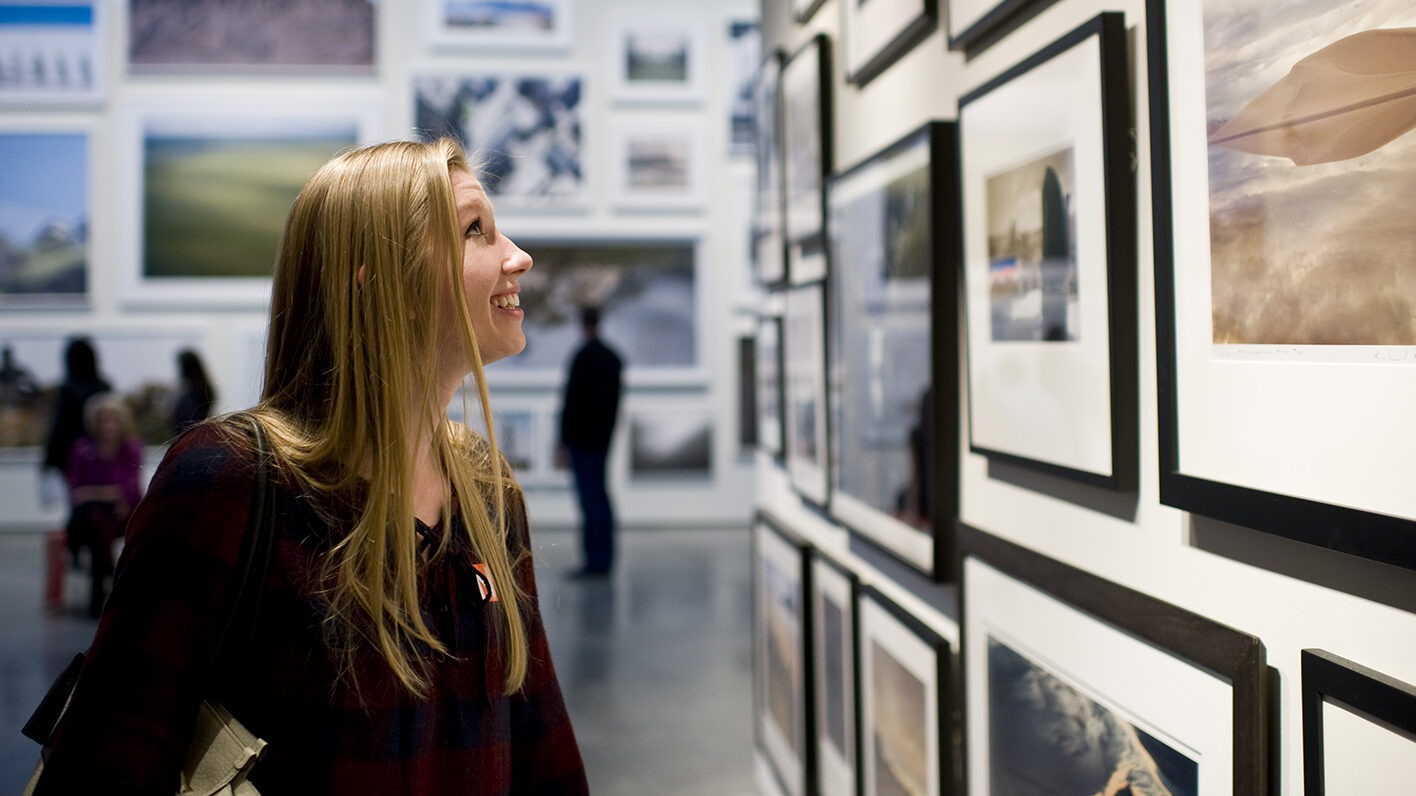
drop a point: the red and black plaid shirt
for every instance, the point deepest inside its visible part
(127, 728)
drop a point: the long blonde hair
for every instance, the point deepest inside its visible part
(347, 364)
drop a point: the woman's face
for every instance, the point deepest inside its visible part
(491, 268)
(110, 426)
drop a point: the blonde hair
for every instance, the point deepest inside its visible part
(347, 366)
(108, 402)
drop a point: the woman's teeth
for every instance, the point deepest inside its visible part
(508, 302)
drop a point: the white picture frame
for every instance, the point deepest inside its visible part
(659, 164)
(804, 390)
(489, 25)
(657, 57)
(46, 201)
(780, 651)
(53, 53)
(836, 662)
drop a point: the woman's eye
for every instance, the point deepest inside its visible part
(474, 230)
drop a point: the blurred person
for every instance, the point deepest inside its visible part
(399, 645)
(196, 398)
(589, 408)
(104, 487)
(81, 382)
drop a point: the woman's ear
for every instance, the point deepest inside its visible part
(360, 275)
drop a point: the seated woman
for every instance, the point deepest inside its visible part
(103, 486)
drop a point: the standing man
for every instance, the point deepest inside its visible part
(591, 402)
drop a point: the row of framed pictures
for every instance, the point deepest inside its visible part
(1025, 221)
(1053, 675)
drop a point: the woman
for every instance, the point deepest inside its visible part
(399, 646)
(104, 466)
(81, 382)
(196, 396)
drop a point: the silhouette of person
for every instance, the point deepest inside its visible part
(81, 382)
(588, 412)
(196, 397)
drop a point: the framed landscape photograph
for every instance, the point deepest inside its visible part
(659, 58)
(44, 217)
(782, 646)
(1050, 260)
(877, 33)
(659, 164)
(769, 251)
(804, 390)
(1286, 338)
(527, 127)
(893, 333)
(1082, 683)
(670, 443)
(1359, 728)
(906, 709)
(806, 142)
(836, 660)
(481, 25)
(770, 429)
(221, 36)
(53, 53)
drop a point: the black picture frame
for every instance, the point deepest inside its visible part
(806, 425)
(804, 10)
(769, 244)
(1049, 219)
(835, 595)
(893, 329)
(1131, 621)
(782, 647)
(975, 24)
(1353, 421)
(876, 34)
(771, 429)
(807, 144)
(1383, 704)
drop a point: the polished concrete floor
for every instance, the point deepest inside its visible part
(655, 661)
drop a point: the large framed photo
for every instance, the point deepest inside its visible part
(769, 251)
(770, 401)
(804, 390)
(906, 709)
(893, 332)
(835, 657)
(482, 25)
(974, 24)
(1077, 681)
(877, 33)
(525, 127)
(659, 58)
(1286, 341)
(1359, 728)
(785, 722)
(806, 142)
(44, 217)
(659, 164)
(221, 36)
(53, 53)
(1050, 261)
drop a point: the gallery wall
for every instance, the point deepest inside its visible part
(664, 252)
(1281, 542)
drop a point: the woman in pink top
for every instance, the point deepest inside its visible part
(103, 474)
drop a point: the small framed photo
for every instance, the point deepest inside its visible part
(53, 53)
(1050, 260)
(1285, 335)
(770, 400)
(45, 216)
(659, 164)
(1077, 681)
(670, 443)
(877, 33)
(658, 58)
(806, 145)
(804, 390)
(782, 653)
(744, 57)
(837, 666)
(906, 710)
(526, 128)
(217, 36)
(769, 249)
(1359, 728)
(893, 342)
(482, 25)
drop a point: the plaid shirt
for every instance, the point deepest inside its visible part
(127, 728)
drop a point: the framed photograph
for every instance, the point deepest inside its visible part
(836, 661)
(1077, 681)
(1050, 260)
(770, 384)
(220, 36)
(782, 646)
(659, 58)
(44, 217)
(875, 34)
(53, 53)
(1285, 355)
(974, 24)
(1359, 728)
(804, 390)
(670, 443)
(769, 250)
(482, 25)
(744, 57)
(906, 710)
(803, 10)
(659, 164)
(526, 128)
(648, 295)
(806, 142)
(893, 330)
(527, 425)
(198, 246)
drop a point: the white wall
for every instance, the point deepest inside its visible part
(1290, 595)
(230, 336)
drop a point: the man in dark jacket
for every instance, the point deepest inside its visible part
(591, 403)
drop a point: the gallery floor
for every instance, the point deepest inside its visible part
(655, 661)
